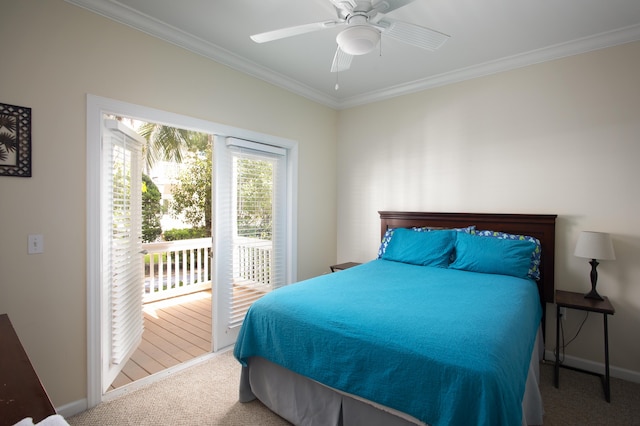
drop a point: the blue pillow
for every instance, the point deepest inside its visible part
(493, 255)
(420, 248)
(534, 264)
(388, 235)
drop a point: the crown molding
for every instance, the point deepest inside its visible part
(558, 51)
(123, 14)
(151, 26)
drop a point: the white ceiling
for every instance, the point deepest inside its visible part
(486, 37)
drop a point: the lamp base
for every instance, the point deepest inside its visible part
(593, 294)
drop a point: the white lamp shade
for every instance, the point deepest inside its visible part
(595, 245)
(358, 39)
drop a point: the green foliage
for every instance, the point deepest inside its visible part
(185, 234)
(192, 194)
(163, 143)
(151, 210)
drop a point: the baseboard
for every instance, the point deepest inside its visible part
(585, 364)
(72, 408)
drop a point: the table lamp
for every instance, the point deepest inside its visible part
(594, 245)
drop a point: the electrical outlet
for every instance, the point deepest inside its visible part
(563, 313)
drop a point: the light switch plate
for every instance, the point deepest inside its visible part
(36, 244)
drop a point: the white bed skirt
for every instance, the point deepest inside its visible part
(306, 402)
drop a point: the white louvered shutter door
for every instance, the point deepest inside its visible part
(250, 225)
(123, 271)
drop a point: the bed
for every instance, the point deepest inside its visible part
(445, 327)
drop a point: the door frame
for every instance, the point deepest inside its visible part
(97, 106)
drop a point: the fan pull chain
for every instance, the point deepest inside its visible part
(337, 85)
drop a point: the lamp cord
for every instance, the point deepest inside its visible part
(564, 345)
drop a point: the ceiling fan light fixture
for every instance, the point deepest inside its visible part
(358, 39)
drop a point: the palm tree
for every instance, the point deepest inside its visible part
(163, 143)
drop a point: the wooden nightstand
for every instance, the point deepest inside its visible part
(568, 299)
(343, 266)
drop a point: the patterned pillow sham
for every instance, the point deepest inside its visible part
(493, 255)
(534, 265)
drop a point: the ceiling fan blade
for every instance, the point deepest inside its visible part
(341, 61)
(293, 31)
(415, 35)
(386, 6)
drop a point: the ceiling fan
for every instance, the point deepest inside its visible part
(365, 22)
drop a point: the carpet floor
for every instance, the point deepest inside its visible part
(207, 394)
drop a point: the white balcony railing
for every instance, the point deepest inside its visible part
(252, 261)
(176, 268)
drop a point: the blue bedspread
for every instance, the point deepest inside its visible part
(448, 347)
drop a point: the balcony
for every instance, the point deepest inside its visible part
(177, 300)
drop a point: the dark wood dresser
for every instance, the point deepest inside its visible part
(21, 392)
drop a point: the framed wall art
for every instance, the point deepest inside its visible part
(15, 140)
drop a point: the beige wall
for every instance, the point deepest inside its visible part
(561, 137)
(56, 53)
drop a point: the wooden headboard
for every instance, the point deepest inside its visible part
(540, 226)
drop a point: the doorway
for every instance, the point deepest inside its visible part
(97, 328)
(157, 249)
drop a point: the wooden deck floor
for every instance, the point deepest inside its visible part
(175, 330)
